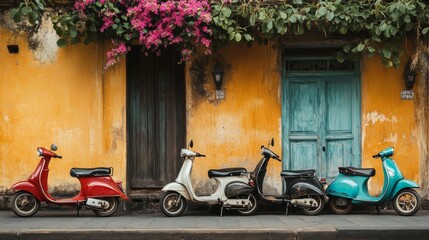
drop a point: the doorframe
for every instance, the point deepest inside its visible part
(285, 105)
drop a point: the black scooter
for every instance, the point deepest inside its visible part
(300, 188)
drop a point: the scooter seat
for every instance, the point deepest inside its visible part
(226, 172)
(298, 173)
(366, 172)
(90, 172)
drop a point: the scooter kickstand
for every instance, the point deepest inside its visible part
(287, 208)
(221, 210)
(378, 209)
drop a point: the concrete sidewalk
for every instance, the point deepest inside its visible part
(207, 226)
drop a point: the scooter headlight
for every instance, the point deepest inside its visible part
(39, 152)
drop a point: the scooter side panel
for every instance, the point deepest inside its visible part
(402, 184)
(304, 189)
(100, 187)
(176, 187)
(236, 188)
(28, 187)
(343, 187)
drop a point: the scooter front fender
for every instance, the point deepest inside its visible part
(402, 184)
(177, 187)
(28, 187)
(343, 187)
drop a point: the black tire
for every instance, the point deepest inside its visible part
(254, 204)
(338, 206)
(315, 210)
(172, 204)
(407, 202)
(24, 204)
(113, 206)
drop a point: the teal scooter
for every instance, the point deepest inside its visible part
(351, 187)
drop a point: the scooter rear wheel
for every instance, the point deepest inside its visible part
(407, 202)
(340, 205)
(314, 210)
(113, 206)
(24, 204)
(254, 204)
(172, 204)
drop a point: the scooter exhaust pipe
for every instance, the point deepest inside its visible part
(304, 202)
(97, 203)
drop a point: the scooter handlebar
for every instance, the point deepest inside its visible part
(199, 155)
(58, 156)
(376, 156)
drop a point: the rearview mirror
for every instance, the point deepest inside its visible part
(54, 147)
(271, 142)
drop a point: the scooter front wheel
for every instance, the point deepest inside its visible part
(407, 202)
(172, 204)
(113, 206)
(340, 205)
(24, 204)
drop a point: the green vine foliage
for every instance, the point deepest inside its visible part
(28, 10)
(372, 27)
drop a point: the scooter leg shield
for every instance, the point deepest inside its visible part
(402, 184)
(343, 187)
(176, 187)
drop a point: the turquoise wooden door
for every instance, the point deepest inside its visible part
(320, 117)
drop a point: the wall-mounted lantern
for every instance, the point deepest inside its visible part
(409, 76)
(217, 73)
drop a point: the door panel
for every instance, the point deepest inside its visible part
(339, 105)
(303, 154)
(338, 154)
(321, 118)
(304, 106)
(155, 117)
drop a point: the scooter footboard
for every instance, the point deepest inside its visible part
(176, 187)
(402, 184)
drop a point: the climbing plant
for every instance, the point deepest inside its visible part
(30, 11)
(373, 27)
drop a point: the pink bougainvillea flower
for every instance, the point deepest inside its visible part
(156, 24)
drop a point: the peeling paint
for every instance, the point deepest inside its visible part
(44, 42)
(374, 117)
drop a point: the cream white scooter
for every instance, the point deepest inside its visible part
(233, 190)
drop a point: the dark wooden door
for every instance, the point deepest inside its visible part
(155, 117)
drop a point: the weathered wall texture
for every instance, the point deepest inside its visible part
(63, 96)
(231, 131)
(389, 121)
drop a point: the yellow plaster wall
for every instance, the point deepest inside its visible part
(70, 101)
(388, 121)
(231, 131)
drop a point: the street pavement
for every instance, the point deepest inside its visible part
(50, 224)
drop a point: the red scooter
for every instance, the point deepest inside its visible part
(98, 192)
